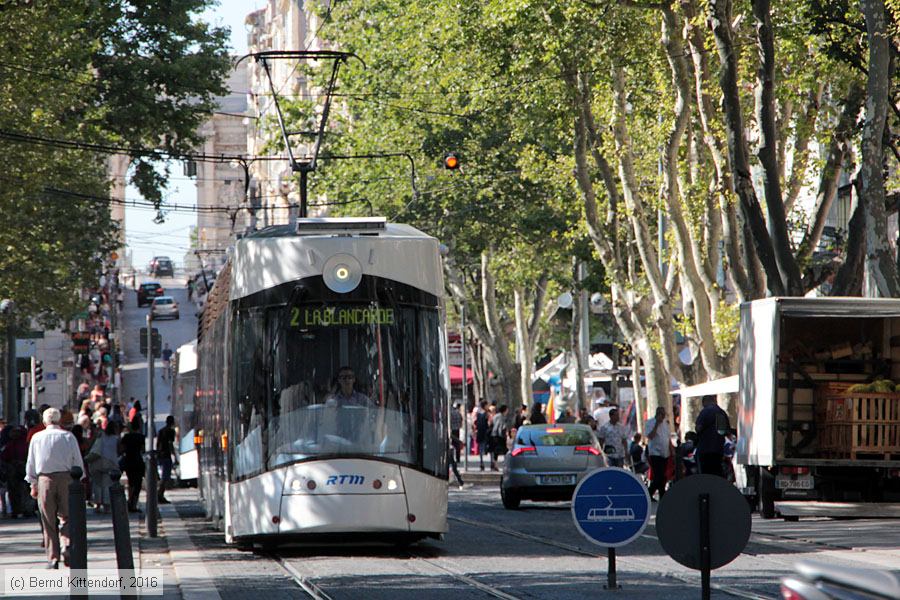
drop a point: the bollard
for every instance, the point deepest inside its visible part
(77, 526)
(152, 509)
(121, 533)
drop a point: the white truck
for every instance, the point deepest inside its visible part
(811, 426)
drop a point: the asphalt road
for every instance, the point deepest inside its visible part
(532, 553)
(536, 552)
(174, 333)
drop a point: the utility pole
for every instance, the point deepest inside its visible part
(151, 436)
(11, 394)
(465, 383)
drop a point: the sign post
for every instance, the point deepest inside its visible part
(703, 522)
(611, 508)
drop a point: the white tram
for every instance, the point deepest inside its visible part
(323, 386)
(184, 391)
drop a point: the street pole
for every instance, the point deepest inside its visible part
(11, 395)
(151, 426)
(151, 506)
(465, 386)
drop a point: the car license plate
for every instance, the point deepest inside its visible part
(801, 483)
(556, 479)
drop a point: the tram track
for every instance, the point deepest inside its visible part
(314, 590)
(651, 567)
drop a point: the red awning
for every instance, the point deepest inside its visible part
(456, 375)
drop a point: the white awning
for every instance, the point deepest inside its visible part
(726, 385)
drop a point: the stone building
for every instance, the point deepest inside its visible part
(281, 25)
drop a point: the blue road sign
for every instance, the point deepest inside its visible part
(611, 507)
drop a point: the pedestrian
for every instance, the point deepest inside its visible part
(658, 451)
(165, 450)
(482, 431)
(166, 360)
(51, 455)
(132, 447)
(135, 415)
(103, 458)
(14, 457)
(454, 447)
(711, 426)
(34, 422)
(636, 451)
(567, 416)
(537, 415)
(614, 440)
(499, 430)
(521, 417)
(456, 421)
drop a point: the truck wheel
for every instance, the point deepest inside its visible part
(766, 494)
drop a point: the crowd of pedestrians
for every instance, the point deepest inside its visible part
(653, 455)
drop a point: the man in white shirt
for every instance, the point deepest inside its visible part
(614, 440)
(51, 455)
(657, 430)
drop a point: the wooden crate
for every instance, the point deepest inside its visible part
(861, 423)
(830, 397)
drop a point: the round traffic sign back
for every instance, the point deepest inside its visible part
(610, 507)
(678, 521)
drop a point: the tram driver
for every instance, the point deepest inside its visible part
(346, 394)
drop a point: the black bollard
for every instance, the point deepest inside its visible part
(121, 533)
(77, 526)
(152, 508)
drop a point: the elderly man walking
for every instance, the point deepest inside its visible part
(51, 455)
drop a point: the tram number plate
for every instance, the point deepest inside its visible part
(801, 483)
(556, 479)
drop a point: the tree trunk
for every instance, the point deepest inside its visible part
(720, 22)
(767, 152)
(881, 269)
(523, 346)
(831, 172)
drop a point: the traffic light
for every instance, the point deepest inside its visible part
(37, 376)
(451, 161)
(155, 341)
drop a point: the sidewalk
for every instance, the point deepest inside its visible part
(20, 545)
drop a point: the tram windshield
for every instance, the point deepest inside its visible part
(345, 378)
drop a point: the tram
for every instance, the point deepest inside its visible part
(184, 391)
(323, 386)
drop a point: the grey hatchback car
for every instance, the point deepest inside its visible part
(547, 462)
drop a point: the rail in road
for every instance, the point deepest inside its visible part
(416, 564)
(794, 542)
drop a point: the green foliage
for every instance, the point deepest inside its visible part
(133, 73)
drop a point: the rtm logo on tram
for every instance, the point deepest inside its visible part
(348, 479)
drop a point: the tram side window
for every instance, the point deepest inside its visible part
(434, 426)
(248, 360)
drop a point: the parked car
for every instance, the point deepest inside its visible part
(148, 291)
(164, 307)
(547, 462)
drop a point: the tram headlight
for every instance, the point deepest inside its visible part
(296, 485)
(342, 273)
(392, 485)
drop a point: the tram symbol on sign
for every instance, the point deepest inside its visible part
(611, 507)
(610, 514)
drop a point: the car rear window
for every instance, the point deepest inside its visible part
(163, 301)
(149, 286)
(555, 436)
